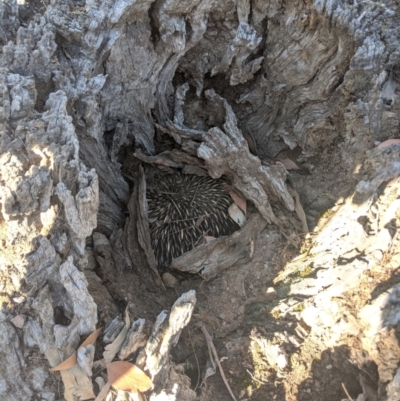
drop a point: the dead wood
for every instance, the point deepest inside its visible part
(214, 257)
(85, 85)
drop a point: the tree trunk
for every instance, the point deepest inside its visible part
(242, 86)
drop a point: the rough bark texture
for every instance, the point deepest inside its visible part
(84, 85)
(213, 258)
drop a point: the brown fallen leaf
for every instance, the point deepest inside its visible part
(126, 376)
(289, 164)
(240, 202)
(389, 142)
(72, 361)
(237, 215)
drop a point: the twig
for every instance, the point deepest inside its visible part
(210, 353)
(214, 351)
(248, 371)
(244, 290)
(347, 393)
(363, 370)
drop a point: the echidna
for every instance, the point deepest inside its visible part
(182, 210)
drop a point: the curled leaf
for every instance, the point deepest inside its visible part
(126, 376)
(236, 214)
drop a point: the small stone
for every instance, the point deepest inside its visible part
(169, 280)
(18, 321)
(329, 367)
(267, 294)
(270, 292)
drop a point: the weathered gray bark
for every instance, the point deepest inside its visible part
(311, 74)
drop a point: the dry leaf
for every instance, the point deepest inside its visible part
(77, 386)
(127, 377)
(389, 142)
(72, 361)
(238, 200)
(289, 164)
(112, 349)
(236, 214)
